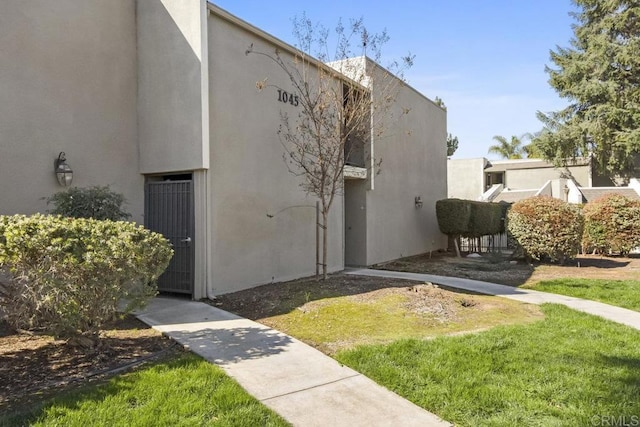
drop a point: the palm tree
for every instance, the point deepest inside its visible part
(513, 149)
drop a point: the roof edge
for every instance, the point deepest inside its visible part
(229, 17)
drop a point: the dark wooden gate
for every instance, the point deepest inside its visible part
(168, 208)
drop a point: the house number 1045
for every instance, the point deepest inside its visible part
(288, 98)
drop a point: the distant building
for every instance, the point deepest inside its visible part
(513, 180)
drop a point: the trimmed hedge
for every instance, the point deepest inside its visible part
(68, 276)
(468, 218)
(454, 216)
(546, 228)
(612, 224)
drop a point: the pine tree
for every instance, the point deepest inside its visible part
(600, 76)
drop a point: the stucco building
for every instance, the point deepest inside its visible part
(513, 180)
(157, 99)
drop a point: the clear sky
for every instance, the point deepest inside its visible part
(485, 59)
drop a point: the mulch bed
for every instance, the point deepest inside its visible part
(34, 366)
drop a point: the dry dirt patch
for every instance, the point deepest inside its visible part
(345, 311)
(590, 267)
(494, 268)
(497, 268)
(440, 305)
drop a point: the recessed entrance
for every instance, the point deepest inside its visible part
(169, 210)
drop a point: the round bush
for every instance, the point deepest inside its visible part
(546, 228)
(68, 276)
(612, 224)
(92, 202)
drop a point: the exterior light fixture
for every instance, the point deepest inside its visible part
(418, 201)
(63, 172)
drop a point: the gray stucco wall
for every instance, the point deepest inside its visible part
(523, 179)
(414, 163)
(248, 178)
(67, 83)
(172, 85)
(465, 178)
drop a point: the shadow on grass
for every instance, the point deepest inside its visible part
(631, 364)
(184, 390)
(71, 400)
(627, 376)
(608, 262)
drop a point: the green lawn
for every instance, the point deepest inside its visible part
(186, 391)
(623, 293)
(563, 370)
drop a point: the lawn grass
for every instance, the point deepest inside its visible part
(186, 391)
(623, 293)
(564, 370)
(344, 322)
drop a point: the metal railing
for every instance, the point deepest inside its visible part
(490, 243)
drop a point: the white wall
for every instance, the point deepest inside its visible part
(248, 178)
(67, 83)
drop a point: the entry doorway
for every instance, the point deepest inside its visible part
(355, 222)
(169, 210)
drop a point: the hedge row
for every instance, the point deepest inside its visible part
(548, 228)
(67, 276)
(468, 218)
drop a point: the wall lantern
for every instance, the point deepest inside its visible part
(418, 201)
(62, 170)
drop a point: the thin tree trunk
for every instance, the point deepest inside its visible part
(324, 245)
(317, 240)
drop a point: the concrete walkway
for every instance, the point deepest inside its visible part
(297, 381)
(616, 314)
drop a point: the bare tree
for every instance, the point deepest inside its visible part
(343, 99)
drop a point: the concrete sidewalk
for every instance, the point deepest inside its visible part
(297, 381)
(610, 312)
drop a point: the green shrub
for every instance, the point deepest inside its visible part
(486, 219)
(468, 218)
(67, 276)
(612, 224)
(453, 216)
(546, 228)
(92, 202)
